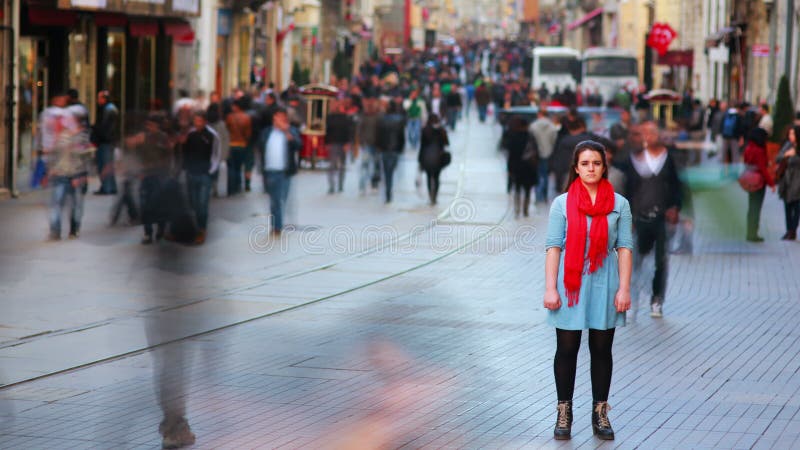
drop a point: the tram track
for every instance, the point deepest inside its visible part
(448, 217)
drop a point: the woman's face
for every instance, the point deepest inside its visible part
(590, 166)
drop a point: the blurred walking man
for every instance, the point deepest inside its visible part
(280, 146)
(105, 136)
(201, 157)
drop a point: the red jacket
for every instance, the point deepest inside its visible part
(756, 156)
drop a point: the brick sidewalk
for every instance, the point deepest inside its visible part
(456, 354)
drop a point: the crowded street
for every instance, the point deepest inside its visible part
(429, 334)
(399, 224)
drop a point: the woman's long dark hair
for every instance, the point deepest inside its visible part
(582, 146)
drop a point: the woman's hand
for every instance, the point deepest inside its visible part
(552, 300)
(622, 301)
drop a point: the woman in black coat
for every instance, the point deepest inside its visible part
(522, 158)
(432, 153)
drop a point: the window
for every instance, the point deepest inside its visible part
(555, 65)
(612, 66)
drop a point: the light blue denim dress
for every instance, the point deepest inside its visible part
(595, 308)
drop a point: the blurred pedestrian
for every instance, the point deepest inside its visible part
(390, 143)
(217, 123)
(432, 156)
(67, 154)
(545, 132)
(153, 149)
(339, 133)
(596, 283)
(765, 120)
(732, 130)
(240, 129)
(368, 128)
(655, 193)
(619, 136)
(454, 104)
(788, 175)
(482, 99)
(105, 135)
(201, 158)
(280, 146)
(415, 115)
(755, 156)
(523, 156)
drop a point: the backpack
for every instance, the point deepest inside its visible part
(729, 125)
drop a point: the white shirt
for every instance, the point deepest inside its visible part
(648, 165)
(436, 106)
(275, 155)
(766, 123)
(216, 151)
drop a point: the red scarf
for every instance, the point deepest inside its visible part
(579, 205)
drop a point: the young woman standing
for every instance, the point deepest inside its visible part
(588, 265)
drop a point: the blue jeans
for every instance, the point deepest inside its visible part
(452, 117)
(482, 110)
(277, 184)
(414, 129)
(105, 168)
(62, 190)
(236, 162)
(367, 168)
(389, 160)
(199, 189)
(544, 178)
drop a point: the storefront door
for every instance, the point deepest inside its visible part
(33, 98)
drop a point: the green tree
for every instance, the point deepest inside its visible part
(297, 74)
(782, 113)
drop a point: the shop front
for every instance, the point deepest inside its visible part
(125, 47)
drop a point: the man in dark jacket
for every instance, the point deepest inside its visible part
(201, 158)
(390, 142)
(280, 146)
(339, 132)
(655, 194)
(482, 98)
(105, 135)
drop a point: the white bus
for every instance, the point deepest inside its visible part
(555, 67)
(605, 70)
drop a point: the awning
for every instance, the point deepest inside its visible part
(677, 58)
(52, 17)
(180, 31)
(110, 20)
(143, 28)
(585, 19)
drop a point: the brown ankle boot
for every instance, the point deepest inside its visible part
(563, 429)
(600, 424)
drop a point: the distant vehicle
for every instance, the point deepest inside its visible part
(555, 68)
(605, 70)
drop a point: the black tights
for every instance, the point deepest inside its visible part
(568, 342)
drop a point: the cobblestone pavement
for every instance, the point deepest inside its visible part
(439, 341)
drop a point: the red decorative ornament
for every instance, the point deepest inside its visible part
(661, 35)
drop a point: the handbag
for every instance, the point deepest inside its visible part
(751, 180)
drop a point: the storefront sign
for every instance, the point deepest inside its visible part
(224, 22)
(94, 4)
(189, 6)
(760, 50)
(147, 8)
